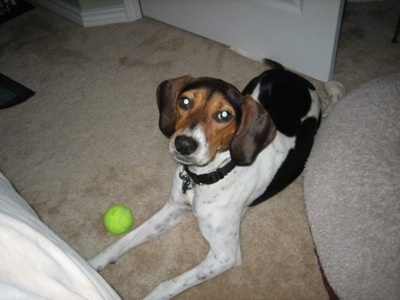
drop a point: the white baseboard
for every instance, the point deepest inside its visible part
(86, 18)
(104, 16)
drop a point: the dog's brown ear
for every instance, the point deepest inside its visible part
(255, 132)
(167, 92)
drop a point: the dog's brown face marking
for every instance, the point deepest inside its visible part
(211, 113)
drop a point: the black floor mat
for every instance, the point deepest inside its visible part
(11, 9)
(12, 93)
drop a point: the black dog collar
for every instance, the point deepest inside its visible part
(190, 179)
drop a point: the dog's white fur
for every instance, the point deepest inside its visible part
(219, 208)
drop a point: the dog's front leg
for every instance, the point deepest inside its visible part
(215, 264)
(167, 218)
(222, 234)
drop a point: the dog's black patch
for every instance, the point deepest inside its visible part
(294, 163)
(285, 96)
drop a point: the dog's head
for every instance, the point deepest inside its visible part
(204, 116)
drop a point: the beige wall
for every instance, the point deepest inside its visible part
(74, 3)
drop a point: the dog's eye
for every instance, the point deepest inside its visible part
(185, 103)
(223, 116)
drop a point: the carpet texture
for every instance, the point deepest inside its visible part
(90, 138)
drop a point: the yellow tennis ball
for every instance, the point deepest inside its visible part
(118, 219)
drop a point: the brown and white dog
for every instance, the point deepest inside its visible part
(235, 150)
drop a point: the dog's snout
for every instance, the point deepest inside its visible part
(185, 145)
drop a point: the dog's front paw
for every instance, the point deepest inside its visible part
(164, 291)
(99, 262)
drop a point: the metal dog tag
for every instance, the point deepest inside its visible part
(187, 182)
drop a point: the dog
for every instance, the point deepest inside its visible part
(235, 150)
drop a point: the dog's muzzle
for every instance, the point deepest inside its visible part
(185, 145)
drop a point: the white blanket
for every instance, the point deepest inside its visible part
(35, 262)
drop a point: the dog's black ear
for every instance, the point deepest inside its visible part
(256, 130)
(167, 92)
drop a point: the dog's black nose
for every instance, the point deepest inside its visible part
(185, 145)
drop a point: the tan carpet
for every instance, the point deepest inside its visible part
(90, 138)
